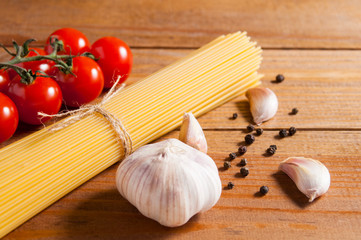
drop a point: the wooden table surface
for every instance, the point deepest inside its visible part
(315, 44)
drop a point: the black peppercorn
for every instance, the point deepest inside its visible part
(250, 128)
(242, 150)
(294, 111)
(273, 146)
(283, 133)
(292, 131)
(230, 185)
(259, 131)
(280, 78)
(264, 190)
(271, 150)
(226, 164)
(232, 156)
(244, 171)
(243, 162)
(249, 138)
(234, 116)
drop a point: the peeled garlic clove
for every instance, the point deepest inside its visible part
(169, 181)
(311, 176)
(191, 133)
(263, 104)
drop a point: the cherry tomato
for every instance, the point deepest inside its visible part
(43, 95)
(114, 58)
(75, 42)
(85, 86)
(4, 80)
(46, 66)
(9, 117)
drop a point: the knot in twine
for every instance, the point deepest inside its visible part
(88, 109)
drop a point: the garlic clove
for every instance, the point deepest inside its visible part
(191, 133)
(311, 177)
(169, 181)
(263, 104)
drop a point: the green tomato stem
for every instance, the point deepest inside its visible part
(64, 62)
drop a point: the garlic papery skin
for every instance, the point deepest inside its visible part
(311, 177)
(263, 104)
(169, 181)
(191, 133)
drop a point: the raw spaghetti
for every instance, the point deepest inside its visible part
(44, 166)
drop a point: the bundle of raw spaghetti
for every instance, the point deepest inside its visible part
(42, 167)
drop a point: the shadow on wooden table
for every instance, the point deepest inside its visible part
(107, 215)
(290, 188)
(243, 107)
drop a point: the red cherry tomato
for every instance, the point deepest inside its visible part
(75, 42)
(46, 66)
(85, 86)
(43, 95)
(4, 80)
(9, 117)
(114, 58)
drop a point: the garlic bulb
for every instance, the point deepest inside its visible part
(263, 103)
(169, 181)
(311, 176)
(191, 133)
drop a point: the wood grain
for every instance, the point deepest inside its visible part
(188, 23)
(97, 211)
(324, 85)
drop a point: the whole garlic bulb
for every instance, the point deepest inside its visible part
(169, 181)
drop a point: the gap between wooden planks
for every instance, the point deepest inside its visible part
(97, 211)
(144, 23)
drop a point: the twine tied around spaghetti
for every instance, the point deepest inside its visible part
(88, 109)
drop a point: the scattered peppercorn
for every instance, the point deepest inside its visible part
(294, 111)
(234, 116)
(259, 131)
(273, 146)
(250, 128)
(232, 156)
(243, 162)
(271, 150)
(226, 164)
(264, 190)
(230, 185)
(280, 78)
(242, 150)
(292, 131)
(244, 171)
(249, 138)
(283, 133)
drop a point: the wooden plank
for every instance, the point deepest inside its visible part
(324, 85)
(144, 23)
(97, 211)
